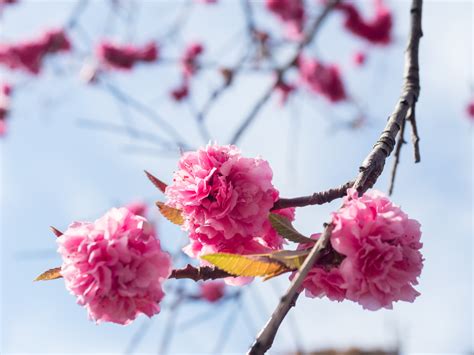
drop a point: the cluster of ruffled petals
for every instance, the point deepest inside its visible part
(375, 258)
(5, 93)
(321, 78)
(376, 30)
(266, 241)
(212, 291)
(125, 57)
(225, 199)
(114, 266)
(291, 13)
(29, 55)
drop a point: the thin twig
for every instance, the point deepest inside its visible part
(227, 83)
(147, 111)
(414, 135)
(265, 338)
(137, 337)
(396, 161)
(309, 36)
(171, 323)
(318, 198)
(249, 18)
(76, 13)
(198, 273)
(226, 330)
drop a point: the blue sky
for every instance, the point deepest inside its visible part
(54, 171)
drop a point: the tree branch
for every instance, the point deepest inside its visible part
(414, 135)
(374, 163)
(370, 170)
(318, 198)
(265, 338)
(199, 273)
(400, 142)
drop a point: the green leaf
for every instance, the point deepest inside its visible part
(51, 274)
(246, 265)
(171, 214)
(160, 185)
(283, 227)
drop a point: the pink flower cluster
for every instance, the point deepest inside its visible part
(323, 79)
(5, 93)
(376, 30)
(380, 251)
(189, 67)
(29, 55)
(225, 199)
(212, 291)
(114, 266)
(125, 57)
(291, 13)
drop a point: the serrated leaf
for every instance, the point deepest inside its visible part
(283, 227)
(51, 274)
(292, 259)
(171, 214)
(246, 265)
(160, 185)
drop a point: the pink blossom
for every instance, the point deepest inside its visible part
(3, 126)
(29, 55)
(285, 90)
(376, 30)
(181, 92)
(189, 63)
(138, 208)
(5, 93)
(207, 1)
(359, 58)
(117, 56)
(291, 13)
(470, 109)
(322, 281)
(224, 197)
(7, 2)
(381, 249)
(114, 266)
(212, 291)
(323, 79)
(324, 278)
(374, 257)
